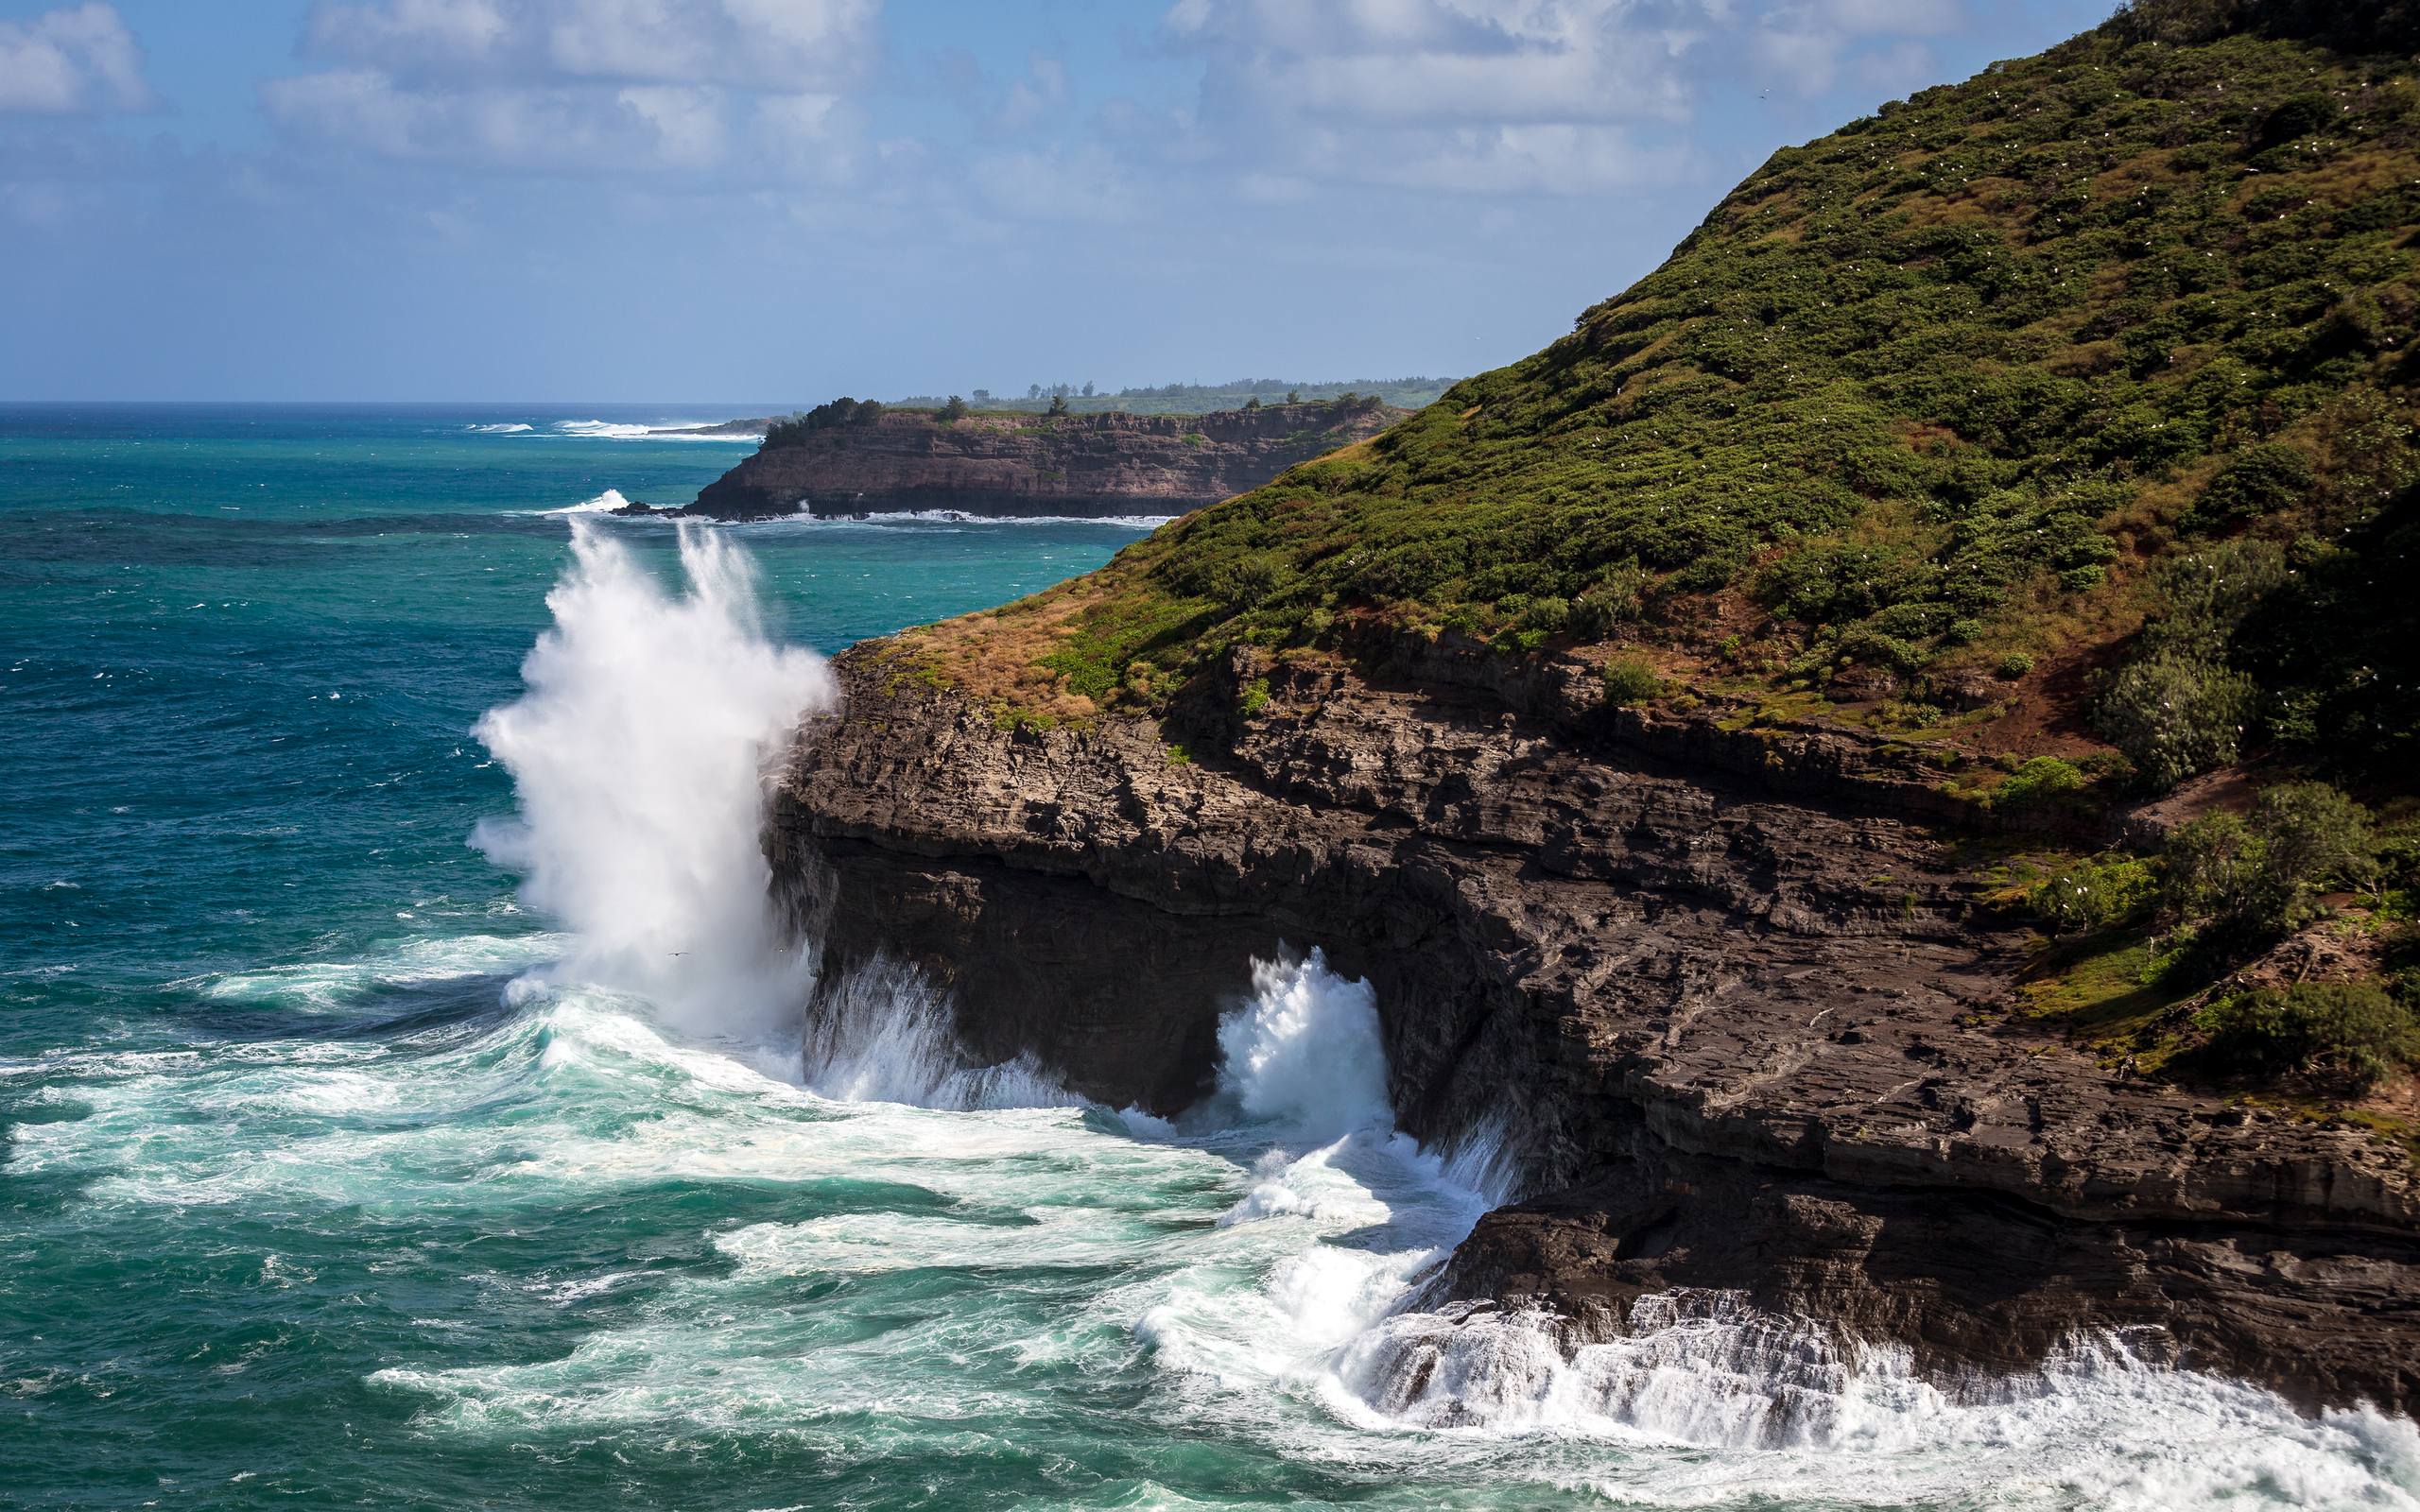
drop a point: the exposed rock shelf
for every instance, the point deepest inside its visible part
(1741, 1022)
(992, 464)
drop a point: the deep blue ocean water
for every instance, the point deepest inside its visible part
(303, 1203)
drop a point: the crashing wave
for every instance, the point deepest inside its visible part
(606, 430)
(637, 755)
(882, 1034)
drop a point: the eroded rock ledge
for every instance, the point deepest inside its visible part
(1731, 999)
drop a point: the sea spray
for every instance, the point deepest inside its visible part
(1305, 1051)
(881, 1033)
(636, 753)
(1303, 1079)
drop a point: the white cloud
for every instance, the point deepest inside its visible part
(1552, 159)
(1035, 97)
(1512, 97)
(642, 126)
(1446, 60)
(788, 44)
(435, 33)
(1087, 185)
(586, 85)
(76, 59)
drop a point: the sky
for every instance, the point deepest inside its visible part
(753, 202)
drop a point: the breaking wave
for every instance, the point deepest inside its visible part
(637, 753)
(882, 1034)
(606, 430)
(605, 502)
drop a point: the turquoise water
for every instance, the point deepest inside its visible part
(319, 1185)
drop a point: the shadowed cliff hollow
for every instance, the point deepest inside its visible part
(1011, 464)
(1884, 761)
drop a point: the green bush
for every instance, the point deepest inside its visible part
(2255, 879)
(1255, 697)
(2102, 893)
(2211, 869)
(2354, 1033)
(2176, 715)
(2042, 783)
(2264, 480)
(2012, 667)
(2316, 837)
(1631, 679)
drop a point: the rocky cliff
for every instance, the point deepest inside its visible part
(995, 464)
(1665, 724)
(1739, 1014)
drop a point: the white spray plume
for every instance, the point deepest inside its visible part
(1305, 1051)
(637, 755)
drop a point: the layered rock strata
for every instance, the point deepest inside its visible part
(1738, 1007)
(989, 464)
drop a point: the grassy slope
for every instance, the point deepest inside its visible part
(1918, 403)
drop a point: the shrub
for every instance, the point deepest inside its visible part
(1548, 616)
(2208, 868)
(2255, 878)
(2013, 665)
(2315, 836)
(2175, 715)
(2102, 893)
(954, 411)
(2042, 783)
(2352, 1032)
(1631, 679)
(2265, 480)
(1599, 611)
(1255, 697)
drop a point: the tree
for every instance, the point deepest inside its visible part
(1252, 402)
(954, 411)
(982, 396)
(1034, 390)
(1294, 396)
(1058, 404)
(1088, 388)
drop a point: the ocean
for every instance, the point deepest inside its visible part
(402, 1101)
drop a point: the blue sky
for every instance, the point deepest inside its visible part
(779, 200)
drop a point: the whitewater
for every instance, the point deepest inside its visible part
(454, 1139)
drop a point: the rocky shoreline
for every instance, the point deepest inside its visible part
(1734, 1007)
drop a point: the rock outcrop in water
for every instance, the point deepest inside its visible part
(1730, 997)
(1009, 464)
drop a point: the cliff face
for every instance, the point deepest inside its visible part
(1733, 1006)
(1859, 503)
(1110, 464)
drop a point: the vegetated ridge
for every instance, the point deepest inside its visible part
(1902, 728)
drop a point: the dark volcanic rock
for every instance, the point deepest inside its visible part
(1725, 994)
(1106, 464)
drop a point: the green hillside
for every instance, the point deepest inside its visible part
(1918, 415)
(2058, 424)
